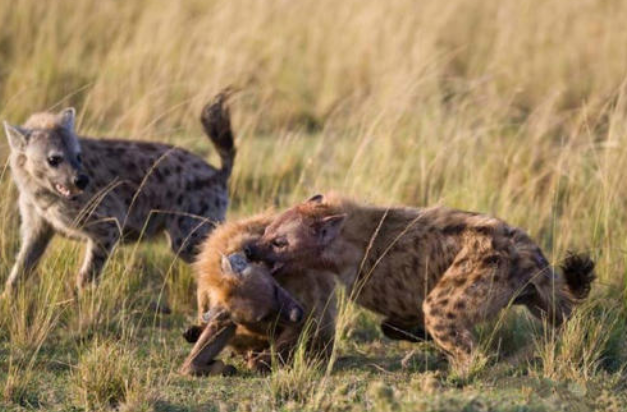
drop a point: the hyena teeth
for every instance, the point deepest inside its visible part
(63, 190)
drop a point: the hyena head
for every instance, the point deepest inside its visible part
(48, 151)
(251, 295)
(299, 236)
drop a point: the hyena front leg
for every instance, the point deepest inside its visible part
(99, 246)
(36, 234)
(474, 289)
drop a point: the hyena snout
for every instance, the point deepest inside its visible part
(81, 181)
(257, 253)
(71, 184)
(250, 252)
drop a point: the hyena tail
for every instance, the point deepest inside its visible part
(216, 121)
(578, 271)
(571, 287)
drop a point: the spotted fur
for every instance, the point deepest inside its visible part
(105, 191)
(437, 270)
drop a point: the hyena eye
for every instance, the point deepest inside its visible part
(79, 159)
(279, 242)
(55, 160)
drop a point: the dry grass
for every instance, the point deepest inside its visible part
(105, 375)
(514, 108)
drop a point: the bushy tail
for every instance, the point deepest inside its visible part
(216, 121)
(558, 295)
(578, 270)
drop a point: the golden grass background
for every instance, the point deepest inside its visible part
(508, 107)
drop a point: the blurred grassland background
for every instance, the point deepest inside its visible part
(515, 108)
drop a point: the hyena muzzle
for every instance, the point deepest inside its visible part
(105, 191)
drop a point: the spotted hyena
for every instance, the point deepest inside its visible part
(244, 302)
(105, 191)
(433, 272)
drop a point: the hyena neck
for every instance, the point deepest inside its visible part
(359, 236)
(367, 237)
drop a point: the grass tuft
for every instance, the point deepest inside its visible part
(592, 341)
(105, 375)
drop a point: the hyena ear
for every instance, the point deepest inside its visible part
(67, 118)
(316, 199)
(234, 264)
(18, 137)
(329, 227)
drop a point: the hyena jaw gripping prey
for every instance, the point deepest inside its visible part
(434, 271)
(241, 305)
(104, 191)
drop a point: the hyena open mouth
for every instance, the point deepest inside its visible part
(64, 191)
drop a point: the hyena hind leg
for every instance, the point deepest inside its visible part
(96, 256)
(472, 290)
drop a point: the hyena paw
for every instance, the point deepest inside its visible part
(192, 333)
(261, 364)
(465, 367)
(229, 370)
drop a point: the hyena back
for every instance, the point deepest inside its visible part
(105, 191)
(433, 272)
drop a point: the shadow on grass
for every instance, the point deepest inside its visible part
(415, 361)
(163, 406)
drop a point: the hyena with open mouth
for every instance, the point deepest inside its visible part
(104, 191)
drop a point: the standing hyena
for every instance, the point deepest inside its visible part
(105, 191)
(438, 268)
